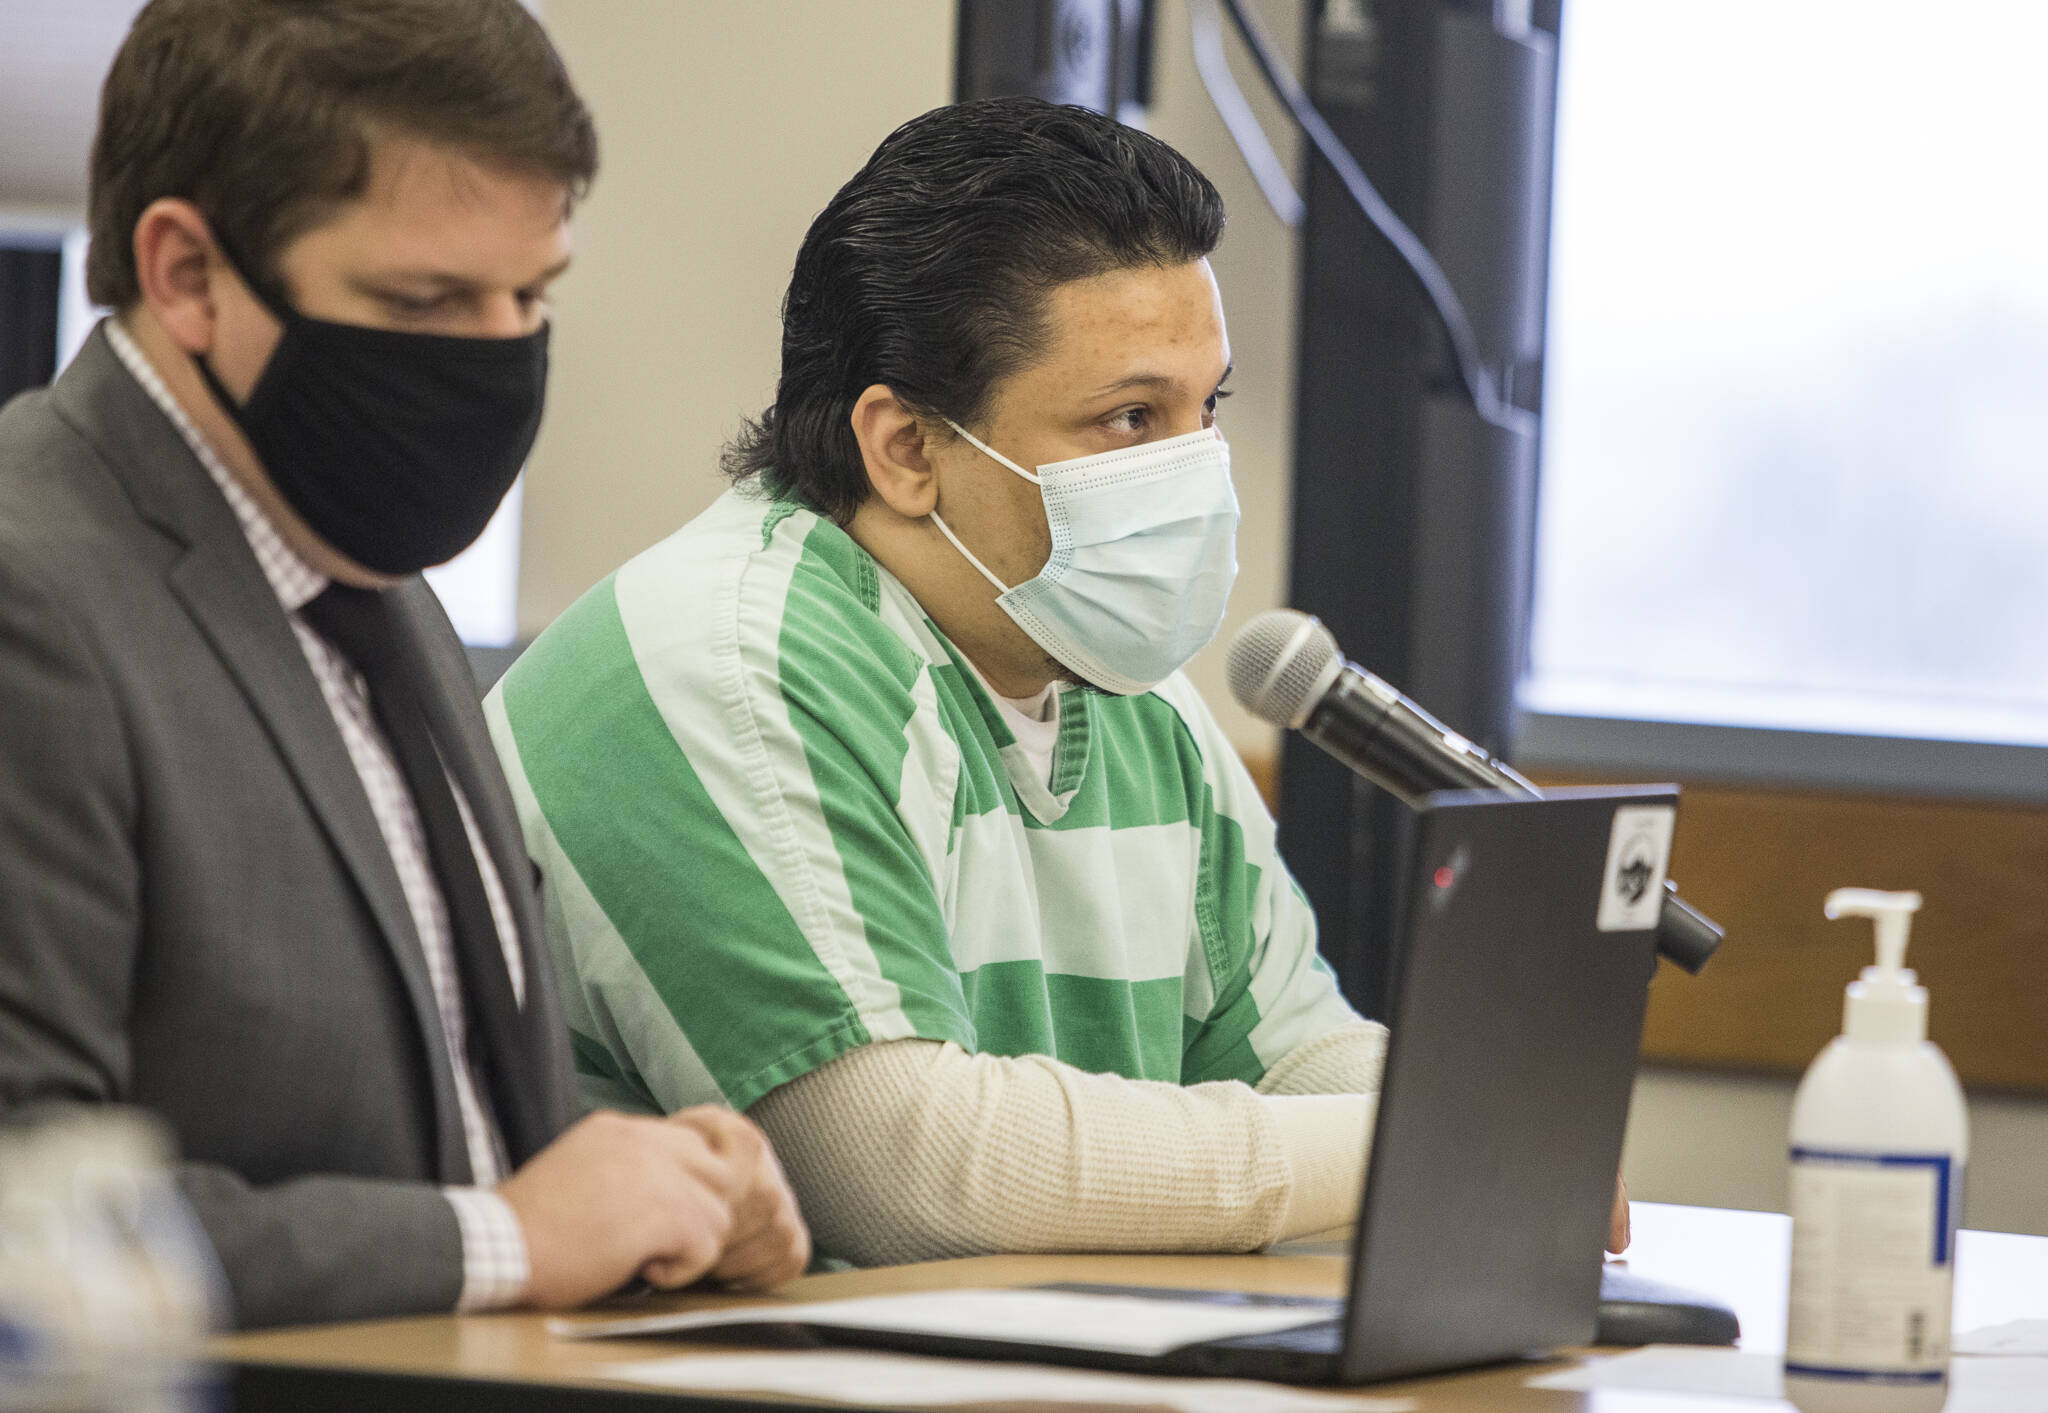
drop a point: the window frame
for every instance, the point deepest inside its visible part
(1781, 757)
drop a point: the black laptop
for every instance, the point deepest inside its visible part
(1527, 950)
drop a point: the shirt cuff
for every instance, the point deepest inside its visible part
(1326, 1138)
(494, 1264)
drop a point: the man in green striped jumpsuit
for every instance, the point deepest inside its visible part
(1000, 959)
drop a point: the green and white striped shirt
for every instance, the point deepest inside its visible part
(778, 817)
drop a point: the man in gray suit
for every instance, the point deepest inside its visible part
(259, 872)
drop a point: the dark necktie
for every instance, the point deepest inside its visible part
(359, 623)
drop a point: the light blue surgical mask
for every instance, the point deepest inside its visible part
(1144, 551)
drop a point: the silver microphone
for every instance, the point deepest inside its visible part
(1285, 668)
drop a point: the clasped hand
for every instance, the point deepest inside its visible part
(693, 1196)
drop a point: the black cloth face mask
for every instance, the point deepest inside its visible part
(396, 448)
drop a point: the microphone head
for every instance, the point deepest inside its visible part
(1280, 665)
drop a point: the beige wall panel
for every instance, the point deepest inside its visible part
(725, 127)
(1718, 1140)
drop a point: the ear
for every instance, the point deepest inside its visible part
(176, 267)
(892, 444)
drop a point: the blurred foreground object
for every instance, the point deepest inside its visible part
(108, 1289)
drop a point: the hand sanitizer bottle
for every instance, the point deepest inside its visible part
(1879, 1134)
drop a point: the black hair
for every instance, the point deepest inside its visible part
(928, 271)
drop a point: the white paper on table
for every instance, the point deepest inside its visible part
(914, 1381)
(2015, 1385)
(2012, 1337)
(1112, 1324)
(1998, 1385)
(1675, 1368)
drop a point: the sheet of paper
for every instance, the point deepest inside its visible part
(1976, 1385)
(1997, 1386)
(2013, 1337)
(1117, 1324)
(1675, 1368)
(907, 1381)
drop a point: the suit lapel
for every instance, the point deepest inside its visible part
(224, 591)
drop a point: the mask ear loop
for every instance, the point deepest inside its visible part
(270, 297)
(273, 304)
(968, 554)
(990, 452)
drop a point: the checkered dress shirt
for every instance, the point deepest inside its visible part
(494, 1256)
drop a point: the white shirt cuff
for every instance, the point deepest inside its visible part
(494, 1264)
(1326, 1138)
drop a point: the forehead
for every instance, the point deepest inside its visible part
(425, 203)
(1101, 324)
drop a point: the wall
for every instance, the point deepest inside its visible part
(1718, 1140)
(53, 55)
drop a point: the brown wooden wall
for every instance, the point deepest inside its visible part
(1760, 862)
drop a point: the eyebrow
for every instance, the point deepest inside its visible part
(1151, 380)
(444, 283)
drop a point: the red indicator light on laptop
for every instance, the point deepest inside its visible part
(1446, 878)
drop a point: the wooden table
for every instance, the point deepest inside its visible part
(454, 1364)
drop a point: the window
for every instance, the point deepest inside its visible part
(1795, 472)
(480, 586)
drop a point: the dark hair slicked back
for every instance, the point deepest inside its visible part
(261, 113)
(928, 272)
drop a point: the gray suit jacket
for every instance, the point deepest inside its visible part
(197, 912)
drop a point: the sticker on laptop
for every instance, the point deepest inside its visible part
(1638, 851)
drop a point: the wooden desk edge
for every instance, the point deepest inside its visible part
(504, 1361)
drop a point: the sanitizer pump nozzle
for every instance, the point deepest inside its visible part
(1887, 1003)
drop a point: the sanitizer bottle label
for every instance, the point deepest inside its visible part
(1873, 1264)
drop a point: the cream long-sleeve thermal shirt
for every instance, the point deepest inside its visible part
(916, 1150)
